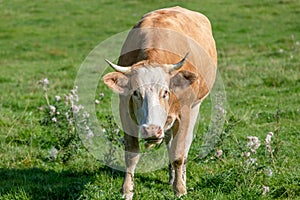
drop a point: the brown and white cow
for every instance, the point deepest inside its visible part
(166, 68)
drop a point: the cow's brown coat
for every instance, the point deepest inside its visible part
(156, 40)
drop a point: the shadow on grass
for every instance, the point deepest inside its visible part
(41, 184)
(149, 181)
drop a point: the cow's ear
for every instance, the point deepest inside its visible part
(116, 81)
(183, 79)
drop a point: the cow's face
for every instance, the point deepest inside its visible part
(149, 101)
(148, 90)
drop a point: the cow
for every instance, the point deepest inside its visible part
(166, 68)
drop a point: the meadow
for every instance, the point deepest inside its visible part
(257, 154)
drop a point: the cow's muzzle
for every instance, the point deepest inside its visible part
(152, 134)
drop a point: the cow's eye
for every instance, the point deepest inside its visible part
(165, 94)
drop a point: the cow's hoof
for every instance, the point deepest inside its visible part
(128, 196)
(179, 190)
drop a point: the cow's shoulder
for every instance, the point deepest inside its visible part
(174, 16)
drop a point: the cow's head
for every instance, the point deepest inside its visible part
(148, 87)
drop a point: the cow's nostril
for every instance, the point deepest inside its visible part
(151, 131)
(158, 132)
(152, 128)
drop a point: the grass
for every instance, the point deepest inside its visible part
(259, 47)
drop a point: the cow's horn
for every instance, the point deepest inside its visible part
(179, 64)
(118, 68)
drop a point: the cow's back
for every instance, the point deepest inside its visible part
(166, 35)
(186, 22)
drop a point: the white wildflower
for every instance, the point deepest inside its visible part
(75, 97)
(266, 189)
(52, 110)
(97, 101)
(219, 153)
(247, 154)
(268, 142)
(269, 172)
(76, 109)
(69, 118)
(86, 115)
(57, 98)
(90, 134)
(269, 149)
(101, 94)
(251, 161)
(220, 109)
(54, 119)
(68, 98)
(70, 121)
(268, 138)
(46, 81)
(53, 153)
(253, 143)
(74, 91)
(67, 115)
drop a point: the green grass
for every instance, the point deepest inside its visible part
(259, 55)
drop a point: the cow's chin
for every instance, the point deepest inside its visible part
(150, 143)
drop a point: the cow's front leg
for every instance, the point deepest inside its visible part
(178, 152)
(172, 173)
(168, 140)
(131, 158)
(178, 184)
